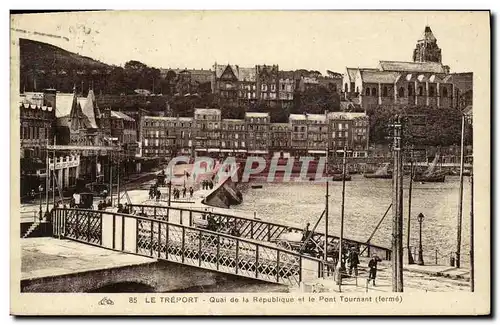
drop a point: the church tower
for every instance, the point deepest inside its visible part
(427, 49)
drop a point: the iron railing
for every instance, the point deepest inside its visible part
(183, 244)
(254, 229)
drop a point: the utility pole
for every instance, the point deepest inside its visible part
(47, 175)
(397, 208)
(410, 257)
(118, 174)
(340, 266)
(54, 175)
(325, 253)
(460, 194)
(111, 176)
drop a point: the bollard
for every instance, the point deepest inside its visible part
(436, 255)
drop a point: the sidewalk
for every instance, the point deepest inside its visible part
(416, 278)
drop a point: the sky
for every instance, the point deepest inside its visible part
(315, 40)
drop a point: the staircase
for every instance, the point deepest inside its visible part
(32, 228)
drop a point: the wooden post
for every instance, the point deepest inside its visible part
(410, 257)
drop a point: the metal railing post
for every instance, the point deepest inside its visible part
(166, 241)
(123, 234)
(300, 269)
(154, 212)
(159, 239)
(237, 251)
(151, 239)
(114, 231)
(251, 229)
(278, 266)
(268, 232)
(100, 225)
(257, 261)
(199, 249)
(218, 251)
(183, 242)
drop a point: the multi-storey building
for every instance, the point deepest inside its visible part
(286, 86)
(423, 82)
(280, 137)
(350, 130)
(233, 83)
(257, 128)
(298, 131)
(267, 82)
(158, 136)
(124, 129)
(37, 121)
(185, 133)
(317, 134)
(233, 137)
(208, 130)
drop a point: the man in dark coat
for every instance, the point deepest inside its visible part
(372, 265)
(353, 261)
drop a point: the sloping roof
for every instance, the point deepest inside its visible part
(232, 120)
(345, 115)
(351, 73)
(286, 75)
(428, 35)
(207, 111)
(245, 74)
(297, 117)
(316, 117)
(120, 115)
(256, 114)
(159, 118)
(90, 109)
(370, 76)
(433, 67)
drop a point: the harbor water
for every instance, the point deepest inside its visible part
(366, 200)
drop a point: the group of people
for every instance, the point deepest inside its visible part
(103, 204)
(177, 193)
(207, 184)
(350, 257)
(154, 193)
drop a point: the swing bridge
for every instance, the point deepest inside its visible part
(172, 234)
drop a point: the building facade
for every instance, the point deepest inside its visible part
(208, 130)
(257, 128)
(233, 137)
(351, 130)
(267, 82)
(423, 82)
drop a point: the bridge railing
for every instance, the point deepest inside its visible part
(183, 244)
(254, 229)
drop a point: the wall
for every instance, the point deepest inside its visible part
(161, 276)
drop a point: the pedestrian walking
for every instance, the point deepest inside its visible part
(353, 261)
(184, 192)
(372, 265)
(191, 192)
(158, 195)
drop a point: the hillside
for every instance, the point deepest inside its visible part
(47, 66)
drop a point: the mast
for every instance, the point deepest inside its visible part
(340, 268)
(460, 195)
(326, 216)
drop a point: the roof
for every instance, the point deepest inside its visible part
(256, 114)
(309, 117)
(370, 76)
(433, 67)
(120, 115)
(207, 111)
(245, 74)
(297, 117)
(233, 120)
(345, 115)
(90, 110)
(159, 118)
(185, 119)
(352, 72)
(428, 35)
(286, 75)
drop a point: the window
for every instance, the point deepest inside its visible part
(445, 92)
(410, 90)
(340, 126)
(367, 92)
(374, 91)
(357, 89)
(431, 91)
(282, 86)
(273, 87)
(346, 89)
(384, 91)
(333, 135)
(401, 92)
(420, 90)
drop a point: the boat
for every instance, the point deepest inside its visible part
(431, 175)
(256, 186)
(338, 177)
(382, 173)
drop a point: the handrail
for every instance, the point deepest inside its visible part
(175, 242)
(254, 220)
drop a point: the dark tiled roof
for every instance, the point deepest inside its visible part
(379, 76)
(433, 67)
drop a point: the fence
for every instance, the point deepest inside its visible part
(254, 229)
(183, 244)
(436, 256)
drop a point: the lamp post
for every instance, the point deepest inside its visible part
(40, 190)
(420, 252)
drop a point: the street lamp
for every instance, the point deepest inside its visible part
(40, 190)
(420, 253)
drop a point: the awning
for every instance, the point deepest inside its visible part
(317, 151)
(242, 150)
(200, 149)
(260, 152)
(213, 150)
(227, 150)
